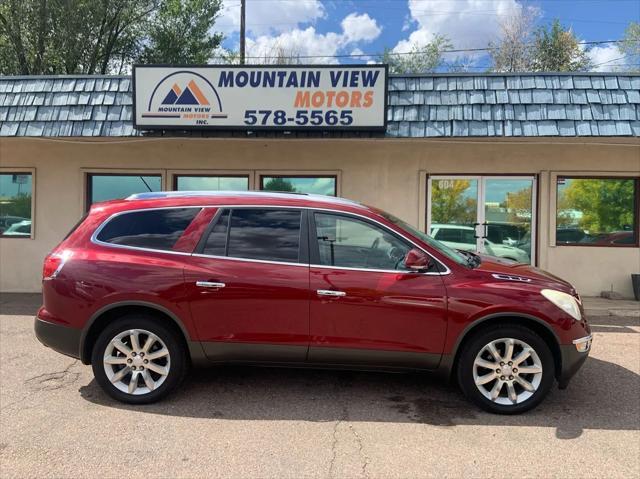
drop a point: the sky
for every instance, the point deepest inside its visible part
(365, 27)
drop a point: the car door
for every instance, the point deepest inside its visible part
(248, 285)
(366, 307)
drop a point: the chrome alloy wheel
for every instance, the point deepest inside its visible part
(507, 371)
(136, 361)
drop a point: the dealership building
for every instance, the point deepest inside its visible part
(539, 168)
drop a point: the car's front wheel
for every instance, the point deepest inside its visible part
(138, 360)
(506, 369)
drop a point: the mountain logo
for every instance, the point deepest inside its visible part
(191, 95)
(184, 98)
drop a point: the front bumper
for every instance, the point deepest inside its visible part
(62, 339)
(572, 357)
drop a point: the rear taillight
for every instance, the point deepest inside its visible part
(53, 263)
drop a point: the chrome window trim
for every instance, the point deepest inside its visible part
(312, 208)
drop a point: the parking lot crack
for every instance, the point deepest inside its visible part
(54, 380)
(363, 456)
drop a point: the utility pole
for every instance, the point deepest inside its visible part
(242, 28)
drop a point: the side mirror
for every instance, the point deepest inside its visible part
(417, 260)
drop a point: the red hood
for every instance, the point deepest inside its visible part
(491, 264)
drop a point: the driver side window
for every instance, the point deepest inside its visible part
(353, 243)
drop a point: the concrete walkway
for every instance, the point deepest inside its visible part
(595, 306)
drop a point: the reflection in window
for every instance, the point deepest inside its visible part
(211, 183)
(596, 211)
(352, 243)
(152, 229)
(319, 185)
(15, 204)
(265, 234)
(454, 201)
(103, 187)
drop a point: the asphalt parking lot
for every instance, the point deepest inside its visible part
(268, 423)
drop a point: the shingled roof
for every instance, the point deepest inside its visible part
(438, 105)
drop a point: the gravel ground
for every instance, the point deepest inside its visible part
(263, 423)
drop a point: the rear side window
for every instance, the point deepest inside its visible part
(153, 229)
(256, 233)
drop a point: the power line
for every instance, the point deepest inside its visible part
(455, 50)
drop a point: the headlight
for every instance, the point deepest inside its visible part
(564, 301)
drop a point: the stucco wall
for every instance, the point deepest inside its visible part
(388, 173)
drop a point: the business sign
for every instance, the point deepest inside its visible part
(260, 97)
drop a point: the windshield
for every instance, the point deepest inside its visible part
(450, 253)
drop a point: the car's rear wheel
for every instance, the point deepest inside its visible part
(138, 360)
(506, 370)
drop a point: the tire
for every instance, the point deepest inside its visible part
(515, 382)
(166, 350)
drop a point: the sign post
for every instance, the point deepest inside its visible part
(313, 97)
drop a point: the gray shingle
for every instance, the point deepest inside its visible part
(465, 83)
(63, 113)
(460, 128)
(633, 96)
(476, 97)
(34, 128)
(418, 97)
(528, 82)
(100, 113)
(432, 98)
(611, 83)
(556, 112)
(627, 112)
(635, 127)
(605, 97)
(45, 113)
(526, 96)
(403, 128)
(581, 82)
(534, 112)
(496, 83)
(547, 128)
(579, 97)
(405, 98)
(449, 97)
(423, 112)
(9, 128)
(124, 84)
(397, 113)
(597, 82)
(583, 128)
(29, 113)
(109, 98)
(442, 113)
(436, 128)
(411, 113)
(635, 82)
(597, 112)
(553, 82)
(417, 129)
(502, 96)
(440, 84)
(497, 112)
(566, 128)
(480, 83)
(490, 97)
(606, 128)
(539, 81)
(586, 111)
(463, 97)
(513, 82)
(623, 128)
(114, 113)
(566, 82)
(426, 84)
(542, 96)
(413, 84)
(397, 84)
(618, 97)
(392, 129)
(96, 98)
(624, 83)
(520, 112)
(611, 112)
(4, 110)
(593, 96)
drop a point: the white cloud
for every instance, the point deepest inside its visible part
(607, 58)
(266, 16)
(294, 43)
(302, 42)
(467, 23)
(358, 28)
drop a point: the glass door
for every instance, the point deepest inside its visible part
(487, 214)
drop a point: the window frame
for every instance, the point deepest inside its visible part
(176, 175)
(24, 171)
(314, 246)
(88, 186)
(94, 236)
(260, 176)
(303, 248)
(570, 176)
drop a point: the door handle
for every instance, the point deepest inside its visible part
(329, 292)
(210, 284)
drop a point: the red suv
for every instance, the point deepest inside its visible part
(146, 286)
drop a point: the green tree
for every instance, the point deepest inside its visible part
(605, 205)
(19, 205)
(512, 52)
(279, 184)
(451, 204)
(556, 49)
(421, 59)
(630, 46)
(101, 36)
(180, 32)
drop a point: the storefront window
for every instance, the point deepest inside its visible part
(15, 204)
(319, 185)
(210, 183)
(597, 211)
(103, 187)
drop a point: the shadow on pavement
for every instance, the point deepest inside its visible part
(603, 395)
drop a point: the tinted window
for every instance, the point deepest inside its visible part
(155, 229)
(109, 187)
(211, 183)
(266, 234)
(349, 242)
(448, 234)
(15, 206)
(216, 244)
(319, 185)
(596, 211)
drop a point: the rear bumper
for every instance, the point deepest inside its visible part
(571, 361)
(62, 339)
